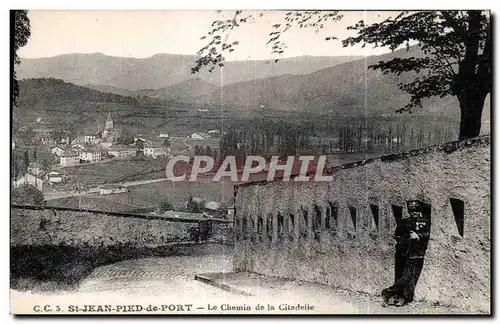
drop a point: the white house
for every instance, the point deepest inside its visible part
(47, 140)
(65, 140)
(90, 139)
(90, 156)
(70, 158)
(111, 189)
(30, 179)
(230, 210)
(214, 132)
(122, 151)
(213, 205)
(196, 136)
(78, 147)
(155, 152)
(54, 177)
(57, 151)
(106, 145)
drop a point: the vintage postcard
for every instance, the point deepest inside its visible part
(250, 162)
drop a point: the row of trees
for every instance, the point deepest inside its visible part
(348, 136)
(264, 137)
(373, 139)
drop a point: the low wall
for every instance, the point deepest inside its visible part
(53, 227)
(340, 233)
(63, 246)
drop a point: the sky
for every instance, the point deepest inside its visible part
(142, 33)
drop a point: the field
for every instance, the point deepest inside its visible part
(150, 195)
(178, 193)
(93, 175)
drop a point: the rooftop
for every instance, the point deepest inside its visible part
(69, 153)
(176, 214)
(120, 147)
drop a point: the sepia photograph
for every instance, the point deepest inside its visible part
(250, 162)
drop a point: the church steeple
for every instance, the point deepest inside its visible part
(109, 122)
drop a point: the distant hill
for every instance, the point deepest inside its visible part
(192, 90)
(74, 106)
(160, 70)
(81, 109)
(345, 89)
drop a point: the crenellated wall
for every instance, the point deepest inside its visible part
(340, 233)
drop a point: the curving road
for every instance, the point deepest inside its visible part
(170, 281)
(156, 276)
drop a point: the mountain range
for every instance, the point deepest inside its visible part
(345, 87)
(160, 70)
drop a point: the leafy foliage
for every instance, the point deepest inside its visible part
(27, 195)
(212, 54)
(194, 206)
(457, 43)
(139, 144)
(22, 32)
(166, 143)
(20, 162)
(46, 159)
(125, 138)
(164, 206)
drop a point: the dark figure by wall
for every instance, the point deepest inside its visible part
(412, 237)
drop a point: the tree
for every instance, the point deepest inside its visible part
(27, 195)
(22, 32)
(139, 144)
(125, 138)
(26, 158)
(46, 159)
(79, 189)
(194, 206)
(164, 206)
(456, 47)
(59, 135)
(20, 163)
(458, 61)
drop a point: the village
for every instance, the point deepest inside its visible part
(102, 170)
